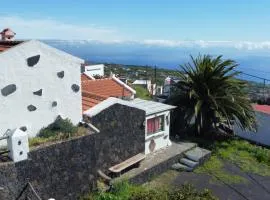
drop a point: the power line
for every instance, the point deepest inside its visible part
(265, 79)
(252, 69)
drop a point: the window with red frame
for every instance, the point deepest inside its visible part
(155, 125)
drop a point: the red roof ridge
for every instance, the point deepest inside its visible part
(261, 108)
(88, 94)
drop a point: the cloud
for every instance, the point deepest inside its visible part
(240, 45)
(53, 29)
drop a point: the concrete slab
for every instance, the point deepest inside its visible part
(181, 167)
(157, 162)
(189, 163)
(198, 154)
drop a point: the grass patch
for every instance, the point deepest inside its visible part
(164, 180)
(249, 157)
(215, 168)
(60, 129)
(142, 93)
(126, 191)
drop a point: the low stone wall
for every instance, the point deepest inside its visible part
(121, 134)
(68, 169)
(59, 170)
(156, 170)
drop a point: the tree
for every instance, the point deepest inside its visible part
(209, 93)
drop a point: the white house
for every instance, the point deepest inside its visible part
(93, 70)
(157, 120)
(37, 83)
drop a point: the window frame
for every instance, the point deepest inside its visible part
(162, 124)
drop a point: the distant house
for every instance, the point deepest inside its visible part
(157, 120)
(93, 70)
(145, 84)
(7, 35)
(167, 88)
(96, 90)
(262, 135)
(37, 83)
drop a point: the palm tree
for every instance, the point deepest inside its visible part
(209, 93)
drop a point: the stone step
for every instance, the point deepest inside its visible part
(198, 154)
(181, 167)
(189, 163)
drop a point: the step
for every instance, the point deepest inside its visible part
(181, 167)
(189, 163)
(198, 154)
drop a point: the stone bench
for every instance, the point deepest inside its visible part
(127, 163)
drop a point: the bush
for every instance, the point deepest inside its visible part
(126, 191)
(142, 93)
(188, 192)
(60, 127)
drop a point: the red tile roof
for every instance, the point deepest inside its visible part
(85, 78)
(4, 45)
(95, 91)
(90, 99)
(261, 108)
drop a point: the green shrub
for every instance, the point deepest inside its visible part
(126, 191)
(149, 195)
(142, 93)
(59, 130)
(188, 192)
(63, 126)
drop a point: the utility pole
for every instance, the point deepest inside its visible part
(155, 74)
(264, 98)
(146, 72)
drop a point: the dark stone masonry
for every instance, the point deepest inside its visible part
(75, 88)
(32, 61)
(9, 89)
(31, 108)
(68, 169)
(38, 92)
(61, 74)
(54, 103)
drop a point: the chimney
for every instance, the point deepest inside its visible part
(7, 34)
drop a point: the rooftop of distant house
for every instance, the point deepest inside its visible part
(7, 39)
(4, 45)
(96, 90)
(262, 108)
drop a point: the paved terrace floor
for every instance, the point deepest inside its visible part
(157, 162)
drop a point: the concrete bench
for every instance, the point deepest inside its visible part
(127, 163)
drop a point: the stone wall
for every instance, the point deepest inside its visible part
(121, 134)
(68, 169)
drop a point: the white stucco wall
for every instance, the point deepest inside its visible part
(162, 138)
(14, 70)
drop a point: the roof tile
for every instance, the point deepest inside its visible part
(95, 91)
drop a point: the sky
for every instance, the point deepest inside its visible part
(162, 22)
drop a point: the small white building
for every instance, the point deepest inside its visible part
(93, 70)
(157, 120)
(37, 83)
(144, 83)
